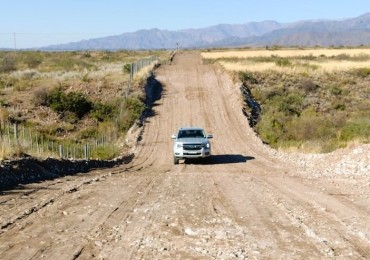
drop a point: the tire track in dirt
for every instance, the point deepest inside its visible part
(332, 213)
(244, 203)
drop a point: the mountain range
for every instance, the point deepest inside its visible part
(346, 32)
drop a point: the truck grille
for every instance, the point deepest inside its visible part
(192, 147)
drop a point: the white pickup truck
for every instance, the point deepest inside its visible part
(191, 142)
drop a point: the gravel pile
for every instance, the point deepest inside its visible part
(353, 161)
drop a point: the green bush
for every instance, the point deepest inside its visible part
(283, 62)
(292, 104)
(359, 128)
(270, 128)
(103, 112)
(247, 77)
(105, 152)
(73, 102)
(88, 133)
(133, 108)
(127, 67)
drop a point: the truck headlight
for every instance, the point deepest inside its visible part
(179, 145)
(207, 145)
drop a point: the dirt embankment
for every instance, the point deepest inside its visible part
(249, 202)
(28, 170)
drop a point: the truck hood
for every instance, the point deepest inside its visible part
(192, 140)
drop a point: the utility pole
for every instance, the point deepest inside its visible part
(15, 42)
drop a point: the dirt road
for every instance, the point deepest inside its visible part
(245, 203)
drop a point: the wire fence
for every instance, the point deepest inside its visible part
(32, 142)
(135, 67)
(27, 140)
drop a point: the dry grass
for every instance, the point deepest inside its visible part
(320, 67)
(4, 150)
(302, 61)
(286, 53)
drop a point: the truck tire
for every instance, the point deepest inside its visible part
(175, 160)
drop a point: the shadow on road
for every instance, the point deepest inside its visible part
(222, 159)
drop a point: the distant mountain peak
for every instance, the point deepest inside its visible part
(354, 31)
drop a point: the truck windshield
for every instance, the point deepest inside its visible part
(191, 134)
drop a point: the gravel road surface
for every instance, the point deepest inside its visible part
(247, 202)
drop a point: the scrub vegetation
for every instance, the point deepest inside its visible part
(72, 97)
(311, 101)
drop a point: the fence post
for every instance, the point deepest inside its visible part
(131, 72)
(31, 140)
(85, 151)
(23, 135)
(61, 151)
(16, 132)
(9, 137)
(37, 144)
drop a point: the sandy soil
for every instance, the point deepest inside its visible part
(247, 202)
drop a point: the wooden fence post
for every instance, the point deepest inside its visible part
(61, 151)
(16, 132)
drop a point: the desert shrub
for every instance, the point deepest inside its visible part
(359, 128)
(8, 63)
(308, 86)
(259, 93)
(73, 102)
(4, 103)
(103, 112)
(303, 127)
(22, 85)
(127, 68)
(105, 152)
(270, 128)
(86, 55)
(40, 97)
(247, 77)
(309, 57)
(133, 108)
(275, 92)
(283, 62)
(6, 81)
(77, 103)
(86, 78)
(336, 90)
(291, 104)
(88, 133)
(50, 131)
(339, 105)
(109, 130)
(55, 100)
(33, 60)
(343, 56)
(361, 72)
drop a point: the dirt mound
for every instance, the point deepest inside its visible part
(29, 170)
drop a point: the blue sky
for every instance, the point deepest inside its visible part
(36, 23)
